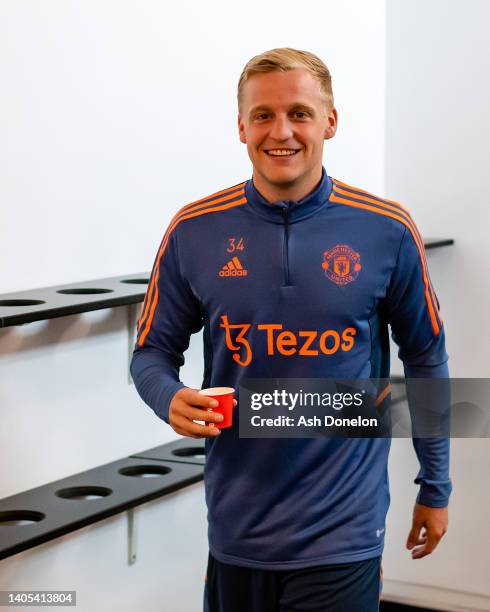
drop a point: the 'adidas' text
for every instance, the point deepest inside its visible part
(233, 268)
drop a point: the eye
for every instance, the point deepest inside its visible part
(301, 114)
(261, 116)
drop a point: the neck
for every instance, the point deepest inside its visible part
(273, 192)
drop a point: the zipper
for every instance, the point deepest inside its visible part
(285, 211)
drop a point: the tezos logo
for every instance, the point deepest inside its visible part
(285, 342)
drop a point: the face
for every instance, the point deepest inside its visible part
(284, 121)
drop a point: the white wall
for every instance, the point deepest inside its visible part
(112, 115)
(168, 575)
(437, 130)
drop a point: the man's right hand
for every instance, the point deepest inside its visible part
(187, 406)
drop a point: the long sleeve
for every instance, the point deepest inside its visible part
(170, 314)
(413, 313)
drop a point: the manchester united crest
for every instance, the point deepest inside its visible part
(341, 264)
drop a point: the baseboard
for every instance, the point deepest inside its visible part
(429, 598)
(387, 606)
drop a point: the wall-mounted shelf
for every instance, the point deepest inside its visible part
(191, 452)
(62, 300)
(47, 512)
(434, 243)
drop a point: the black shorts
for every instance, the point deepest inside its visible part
(343, 587)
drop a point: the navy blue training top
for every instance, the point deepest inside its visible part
(290, 290)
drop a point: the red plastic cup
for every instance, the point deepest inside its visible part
(224, 395)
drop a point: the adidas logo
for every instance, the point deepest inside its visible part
(233, 268)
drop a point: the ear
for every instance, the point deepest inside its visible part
(241, 130)
(332, 122)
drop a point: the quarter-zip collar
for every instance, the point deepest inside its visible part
(297, 211)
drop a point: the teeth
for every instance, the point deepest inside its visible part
(282, 152)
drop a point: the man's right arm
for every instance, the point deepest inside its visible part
(170, 314)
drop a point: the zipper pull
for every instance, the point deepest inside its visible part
(288, 204)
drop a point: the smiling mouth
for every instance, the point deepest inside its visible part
(282, 152)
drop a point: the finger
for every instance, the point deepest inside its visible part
(422, 551)
(203, 431)
(194, 398)
(418, 552)
(413, 536)
(194, 430)
(235, 402)
(188, 415)
(200, 414)
(182, 408)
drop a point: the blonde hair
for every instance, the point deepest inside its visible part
(283, 60)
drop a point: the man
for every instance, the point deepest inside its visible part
(293, 274)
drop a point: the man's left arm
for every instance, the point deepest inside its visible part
(413, 313)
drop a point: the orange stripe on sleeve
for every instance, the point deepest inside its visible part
(149, 289)
(382, 396)
(197, 205)
(370, 195)
(191, 214)
(395, 206)
(398, 217)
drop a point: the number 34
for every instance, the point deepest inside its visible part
(234, 245)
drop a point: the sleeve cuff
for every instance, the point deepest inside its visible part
(434, 493)
(166, 397)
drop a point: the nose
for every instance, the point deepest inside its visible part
(281, 129)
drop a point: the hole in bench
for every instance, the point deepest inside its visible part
(21, 302)
(190, 451)
(17, 518)
(145, 471)
(84, 291)
(83, 492)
